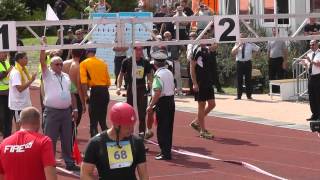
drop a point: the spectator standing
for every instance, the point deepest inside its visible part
(89, 9)
(79, 38)
(168, 26)
(174, 52)
(60, 7)
(162, 101)
(186, 9)
(19, 83)
(101, 7)
(312, 28)
(57, 101)
(203, 11)
(5, 115)
(161, 13)
(64, 54)
(278, 57)
(143, 70)
(28, 154)
(103, 150)
(244, 53)
(120, 55)
(313, 62)
(201, 67)
(94, 73)
(183, 32)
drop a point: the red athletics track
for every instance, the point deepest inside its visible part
(283, 152)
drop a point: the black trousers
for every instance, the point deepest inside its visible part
(183, 34)
(314, 95)
(165, 109)
(5, 116)
(244, 69)
(98, 104)
(117, 66)
(142, 101)
(275, 68)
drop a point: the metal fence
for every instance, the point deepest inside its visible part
(301, 74)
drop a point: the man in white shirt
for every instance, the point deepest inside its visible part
(243, 53)
(312, 60)
(58, 100)
(19, 83)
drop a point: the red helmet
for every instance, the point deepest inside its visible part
(122, 114)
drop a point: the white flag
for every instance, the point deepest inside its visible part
(50, 14)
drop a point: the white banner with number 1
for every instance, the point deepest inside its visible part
(8, 36)
(226, 28)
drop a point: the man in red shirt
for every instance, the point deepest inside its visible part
(27, 154)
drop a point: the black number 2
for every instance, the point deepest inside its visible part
(5, 36)
(225, 35)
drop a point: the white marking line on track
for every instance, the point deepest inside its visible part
(244, 164)
(68, 172)
(200, 172)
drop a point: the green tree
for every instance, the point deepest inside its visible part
(13, 10)
(121, 5)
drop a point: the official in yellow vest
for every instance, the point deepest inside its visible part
(5, 115)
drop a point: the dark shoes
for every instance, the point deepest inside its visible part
(237, 98)
(72, 168)
(249, 97)
(162, 157)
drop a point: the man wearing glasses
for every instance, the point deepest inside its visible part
(59, 97)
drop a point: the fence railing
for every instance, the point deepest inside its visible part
(301, 74)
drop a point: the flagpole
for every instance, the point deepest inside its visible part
(44, 31)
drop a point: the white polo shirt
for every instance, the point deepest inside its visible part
(17, 100)
(250, 47)
(57, 90)
(315, 69)
(164, 80)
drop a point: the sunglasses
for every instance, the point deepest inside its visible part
(58, 64)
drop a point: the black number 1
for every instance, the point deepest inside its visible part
(225, 35)
(5, 36)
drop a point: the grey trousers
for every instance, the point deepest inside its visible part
(58, 122)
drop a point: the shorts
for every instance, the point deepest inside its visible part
(204, 94)
(16, 115)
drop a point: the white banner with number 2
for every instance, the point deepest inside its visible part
(8, 36)
(226, 28)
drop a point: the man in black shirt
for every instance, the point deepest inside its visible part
(201, 66)
(162, 12)
(59, 7)
(187, 10)
(143, 70)
(116, 153)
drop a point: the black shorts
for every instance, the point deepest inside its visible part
(204, 94)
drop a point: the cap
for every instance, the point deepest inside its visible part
(160, 55)
(122, 114)
(93, 50)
